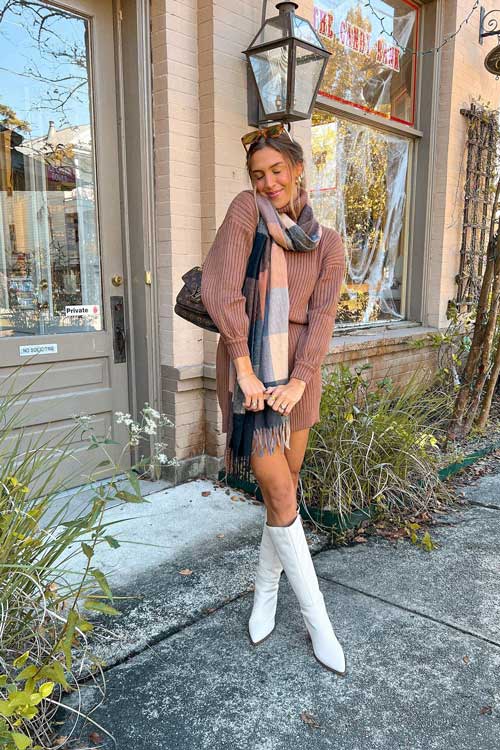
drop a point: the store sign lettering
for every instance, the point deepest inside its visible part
(355, 38)
(388, 56)
(323, 23)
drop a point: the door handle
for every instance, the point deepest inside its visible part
(118, 326)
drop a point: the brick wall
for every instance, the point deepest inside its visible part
(462, 77)
(199, 88)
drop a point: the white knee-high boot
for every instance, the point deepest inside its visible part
(291, 545)
(262, 619)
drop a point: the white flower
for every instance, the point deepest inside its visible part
(162, 458)
(122, 418)
(150, 429)
(83, 419)
(148, 411)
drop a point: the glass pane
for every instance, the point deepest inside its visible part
(50, 280)
(303, 30)
(307, 73)
(358, 187)
(371, 65)
(271, 69)
(273, 29)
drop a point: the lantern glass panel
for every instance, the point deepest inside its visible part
(272, 30)
(303, 30)
(307, 72)
(270, 69)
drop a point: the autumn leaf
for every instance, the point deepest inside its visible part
(466, 659)
(206, 493)
(220, 536)
(485, 710)
(185, 572)
(309, 719)
(95, 738)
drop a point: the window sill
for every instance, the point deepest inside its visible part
(389, 336)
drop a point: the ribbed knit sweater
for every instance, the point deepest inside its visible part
(314, 282)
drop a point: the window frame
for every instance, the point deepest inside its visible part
(417, 134)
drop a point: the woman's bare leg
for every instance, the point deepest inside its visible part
(277, 475)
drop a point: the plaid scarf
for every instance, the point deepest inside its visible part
(267, 307)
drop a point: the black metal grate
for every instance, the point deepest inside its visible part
(482, 142)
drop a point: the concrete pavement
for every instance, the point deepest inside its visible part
(421, 633)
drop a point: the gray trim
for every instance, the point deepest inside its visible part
(134, 66)
(120, 96)
(365, 118)
(145, 107)
(437, 11)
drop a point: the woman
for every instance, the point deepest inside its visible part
(271, 283)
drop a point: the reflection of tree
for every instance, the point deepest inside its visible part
(10, 120)
(64, 62)
(359, 188)
(359, 77)
(347, 71)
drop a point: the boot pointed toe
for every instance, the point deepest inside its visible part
(293, 551)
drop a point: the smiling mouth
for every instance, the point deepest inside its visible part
(274, 195)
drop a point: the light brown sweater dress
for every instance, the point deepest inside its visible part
(314, 282)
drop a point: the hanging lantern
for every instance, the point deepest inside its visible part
(287, 61)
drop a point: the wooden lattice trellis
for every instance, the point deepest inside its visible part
(482, 143)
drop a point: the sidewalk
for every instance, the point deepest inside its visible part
(421, 633)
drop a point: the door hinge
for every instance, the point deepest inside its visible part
(148, 279)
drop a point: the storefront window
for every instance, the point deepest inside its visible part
(358, 187)
(50, 279)
(371, 65)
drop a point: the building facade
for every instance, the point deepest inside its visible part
(120, 153)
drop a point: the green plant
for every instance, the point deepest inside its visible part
(376, 445)
(44, 630)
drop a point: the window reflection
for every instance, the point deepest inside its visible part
(49, 251)
(358, 187)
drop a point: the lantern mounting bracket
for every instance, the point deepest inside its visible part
(491, 24)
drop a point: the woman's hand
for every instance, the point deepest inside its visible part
(287, 395)
(253, 390)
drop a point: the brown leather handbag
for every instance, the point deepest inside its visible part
(188, 304)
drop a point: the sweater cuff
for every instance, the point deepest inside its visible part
(302, 371)
(237, 348)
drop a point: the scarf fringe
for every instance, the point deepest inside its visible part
(267, 438)
(264, 438)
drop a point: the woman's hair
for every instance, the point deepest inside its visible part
(291, 152)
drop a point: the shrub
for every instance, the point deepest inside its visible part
(376, 445)
(41, 609)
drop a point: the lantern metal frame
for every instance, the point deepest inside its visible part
(258, 116)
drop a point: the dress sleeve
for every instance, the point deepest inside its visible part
(224, 272)
(314, 341)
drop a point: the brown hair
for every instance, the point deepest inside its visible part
(291, 151)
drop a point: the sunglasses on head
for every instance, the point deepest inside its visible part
(272, 131)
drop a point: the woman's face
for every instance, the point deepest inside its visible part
(271, 176)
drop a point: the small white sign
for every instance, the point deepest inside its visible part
(74, 311)
(29, 349)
